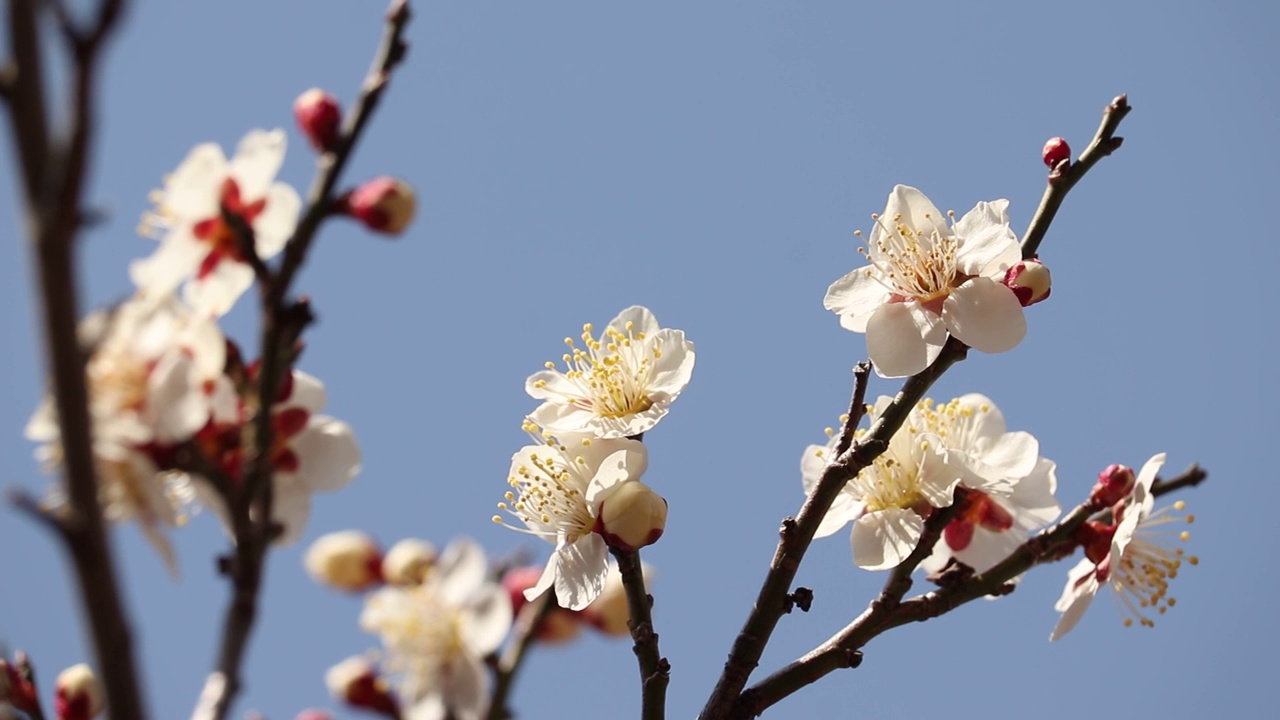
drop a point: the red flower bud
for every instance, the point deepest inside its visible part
(356, 682)
(385, 205)
(1114, 483)
(319, 117)
(632, 516)
(1056, 151)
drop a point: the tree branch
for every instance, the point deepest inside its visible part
(796, 535)
(53, 175)
(1191, 477)
(1103, 144)
(282, 323)
(655, 671)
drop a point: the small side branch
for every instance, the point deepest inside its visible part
(1104, 143)
(655, 671)
(506, 666)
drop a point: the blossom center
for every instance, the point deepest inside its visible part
(951, 422)
(611, 375)
(915, 264)
(1141, 577)
(220, 235)
(888, 483)
(422, 633)
(548, 494)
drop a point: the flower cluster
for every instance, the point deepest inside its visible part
(171, 401)
(960, 449)
(438, 617)
(578, 485)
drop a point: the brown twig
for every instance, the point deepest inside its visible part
(797, 534)
(282, 323)
(53, 175)
(1192, 476)
(1103, 144)
(505, 667)
(655, 671)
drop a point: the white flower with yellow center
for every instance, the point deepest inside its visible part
(557, 489)
(153, 377)
(1140, 564)
(930, 275)
(437, 634)
(618, 385)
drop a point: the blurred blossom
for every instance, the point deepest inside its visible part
(154, 379)
(618, 385)
(437, 634)
(928, 277)
(197, 243)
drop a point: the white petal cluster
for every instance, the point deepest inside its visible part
(930, 276)
(436, 634)
(557, 489)
(197, 244)
(937, 449)
(154, 379)
(617, 385)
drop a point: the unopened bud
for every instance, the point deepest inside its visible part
(356, 682)
(1029, 280)
(16, 687)
(348, 560)
(408, 562)
(385, 205)
(632, 516)
(319, 116)
(78, 694)
(1056, 151)
(1113, 485)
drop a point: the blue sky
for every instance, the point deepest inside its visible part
(710, 161)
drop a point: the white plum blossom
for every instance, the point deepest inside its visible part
(558, 487)
(1138, 564)
(437, 634)
(154, 378)
(934, 451)
(310, 453)
(619, 385)
(1019, 483)
(930, 275)
(196, 244)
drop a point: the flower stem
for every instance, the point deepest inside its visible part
(655, 671)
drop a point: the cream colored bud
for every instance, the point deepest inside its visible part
(1029, 280)
(356, 682)
(409, 561)
(348, 560)
(632, 516)
(78, 694)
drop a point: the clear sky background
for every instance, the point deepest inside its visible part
(711, 160)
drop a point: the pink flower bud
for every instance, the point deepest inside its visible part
(319, 117)
(408, 562)
(314, 714)
(1055, 151)
(1114, 483)
(355, 681)
(77, 694)
(632, 516)
(385, 205)
(348, 560)
(1029, 280)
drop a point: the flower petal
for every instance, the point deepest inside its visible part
(257, 160)
(218, 291)
(328, 452)
(672, 371)
(903, 339)
(985, 315)
(844, 509)
(275, 225)
(1082, 585)
(641, 318)
(176, 258)
(988, 246)
(884, 538)
(460, 571)
(855, 297)
(581, 569)
(915, 210)
(489, 622)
